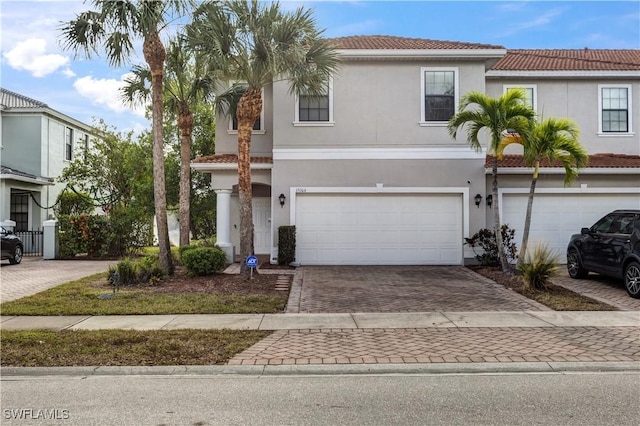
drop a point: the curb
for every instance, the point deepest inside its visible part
(313, 370)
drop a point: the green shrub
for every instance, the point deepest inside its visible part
(73, 203)
(286, 245)
(201, 261)
(145, 270)
(485, 239)
(539, 266)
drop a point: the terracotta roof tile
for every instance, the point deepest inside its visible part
(382, 42)
(231, 158)
(569, 60)
(595, 161)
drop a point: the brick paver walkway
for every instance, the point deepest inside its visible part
(450, 345)
(598, 287)
(338, 289)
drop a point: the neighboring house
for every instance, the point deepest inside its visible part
(370, 175)
(37, 143)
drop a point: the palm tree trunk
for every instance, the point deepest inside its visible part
(527, 218)
(248, 111)
(496, 216)
(185, 124)
(155, 55)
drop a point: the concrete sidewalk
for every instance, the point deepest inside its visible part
(342, 321)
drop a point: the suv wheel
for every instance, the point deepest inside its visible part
(17, 256)
(632, 279)
(574, 267)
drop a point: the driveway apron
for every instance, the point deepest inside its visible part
(348, 289)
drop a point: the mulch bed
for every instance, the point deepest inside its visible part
(219, 283)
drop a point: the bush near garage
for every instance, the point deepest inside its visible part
(540, 265)
(286, 245)
(201, 261)
(485, 241)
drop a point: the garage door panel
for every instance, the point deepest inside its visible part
(379, 229)
(555, 217)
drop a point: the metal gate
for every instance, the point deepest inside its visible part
(33, 242)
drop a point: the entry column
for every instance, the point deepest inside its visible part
(223, 222)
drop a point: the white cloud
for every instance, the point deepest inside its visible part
(106, 92)
(68, 72)
(30, 55)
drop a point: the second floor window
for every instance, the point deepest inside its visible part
(256, 126)
(68, 144)
(615, 114)
(529, 93)
(440, 94)
(316, 110)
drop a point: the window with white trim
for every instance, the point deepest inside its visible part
(439, 94)
(315, 110)
(258, 126)
(530, 92)
(614, 102)
(68, 144)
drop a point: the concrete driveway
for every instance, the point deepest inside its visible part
(35, 274)
(336, 289)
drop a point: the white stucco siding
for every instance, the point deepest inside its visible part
(375, 104)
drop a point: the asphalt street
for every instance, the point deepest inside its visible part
(434, 399)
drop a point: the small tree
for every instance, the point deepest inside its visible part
(552, 140)
(508, 113)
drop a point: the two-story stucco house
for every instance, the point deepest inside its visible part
(369, 174)
(37, 144)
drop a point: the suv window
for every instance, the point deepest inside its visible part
(615, 224)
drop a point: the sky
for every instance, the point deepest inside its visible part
(33, 63)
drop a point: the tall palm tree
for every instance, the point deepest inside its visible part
(256, 43)
(113, 27)
(507, 114)
(553, 139)
(186, 82)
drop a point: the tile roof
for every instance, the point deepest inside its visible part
(569, 60)
(595, 161)
(9, 99)
(230, 159)
(382, 42)
(4, 170)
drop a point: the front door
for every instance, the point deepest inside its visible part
(262, 225)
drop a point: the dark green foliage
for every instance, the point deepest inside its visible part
(73, 203)
(100, 236)
(201, 261)
(145, 270)
(485, 239)
(286, 245)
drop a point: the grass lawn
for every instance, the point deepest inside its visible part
(216, 294)
(41, 348)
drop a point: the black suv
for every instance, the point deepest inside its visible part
(11, 246)
(610, 247)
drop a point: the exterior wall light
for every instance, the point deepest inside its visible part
(282, 197)
(478, 199)
(489, 200)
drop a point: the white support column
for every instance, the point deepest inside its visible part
(51, 245)
(223, 222)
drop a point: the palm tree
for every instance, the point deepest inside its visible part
(507, 114)
(113, 27)
(186, 83)
(255, 43)
(553, 139)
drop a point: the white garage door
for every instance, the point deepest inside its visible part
(555, 217)
(389, 229)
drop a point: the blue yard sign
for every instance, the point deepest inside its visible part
(252, 261)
